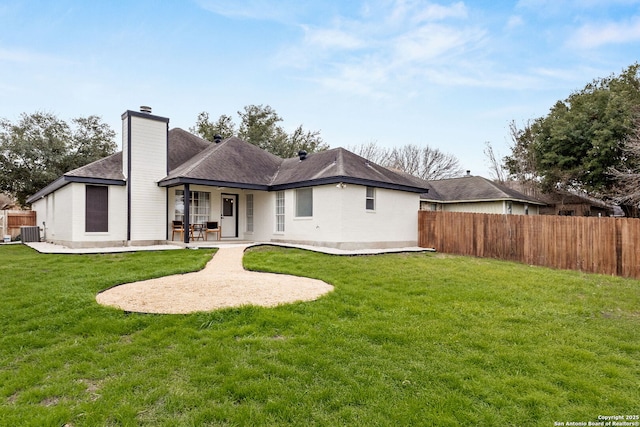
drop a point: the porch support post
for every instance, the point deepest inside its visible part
(185, 223)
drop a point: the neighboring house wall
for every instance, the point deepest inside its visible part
(496, 207)
(493, 207)
(575, 209)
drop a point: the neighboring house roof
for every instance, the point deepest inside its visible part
(473, 189)
(238, 164)
(560, 197)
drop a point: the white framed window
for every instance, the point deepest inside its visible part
(280, 211)
(370, 199)
(249, 205)
(199, 207)
(304, 202)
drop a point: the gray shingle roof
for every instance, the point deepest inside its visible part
(340, 165)
(107, 170)
(473, 189)
(109, 167)
(183, 146)
(236, 163)
(232, 161)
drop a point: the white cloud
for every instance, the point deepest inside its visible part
(28, 57)
(389, 43)
(573, 4)
(595, 35)
(251, 9)
(515, 21)
(332, 38)
(430, 42)
(436, 12)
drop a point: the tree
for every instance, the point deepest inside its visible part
(301, 140)
(496, 168)
(372, 152)
(6, 201)
(40, 148)
(424, 162)
(90, 139)
(627, 189)
(260, 126)
(207, 129)
(577, 144)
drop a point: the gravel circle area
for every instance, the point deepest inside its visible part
(222, 283)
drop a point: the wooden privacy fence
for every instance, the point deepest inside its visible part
(12, 220)
(590, 244)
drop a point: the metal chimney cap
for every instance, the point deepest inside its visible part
(145, 109)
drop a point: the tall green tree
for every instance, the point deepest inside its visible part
(40, 147)
(207, 129)
(260, 126)
(582, 138)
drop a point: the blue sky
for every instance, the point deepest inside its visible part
(448, 74)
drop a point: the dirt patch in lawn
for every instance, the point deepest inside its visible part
(222, 283)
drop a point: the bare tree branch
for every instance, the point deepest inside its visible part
(627, 176)
(424, 162)
(496, 169)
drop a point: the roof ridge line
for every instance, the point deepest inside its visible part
(206, 156)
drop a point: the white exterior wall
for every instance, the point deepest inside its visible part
(63, 214)
(263, 216)
(117, 233)
(393, 222)
(148, 156)
(340, 218)
(56, 210)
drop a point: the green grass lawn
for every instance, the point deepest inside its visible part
(405, 339)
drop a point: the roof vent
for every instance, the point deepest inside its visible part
(145, 109)
(217, 138)
(468, 172)
(302, 154)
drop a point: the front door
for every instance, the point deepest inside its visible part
(229, 215)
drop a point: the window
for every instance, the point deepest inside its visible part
(199, 207)
(249, 212)
(304, 202)
(96, 209)
(371, 199)
(280, 211)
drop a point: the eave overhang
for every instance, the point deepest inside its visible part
(65, 180)
(174, 182)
